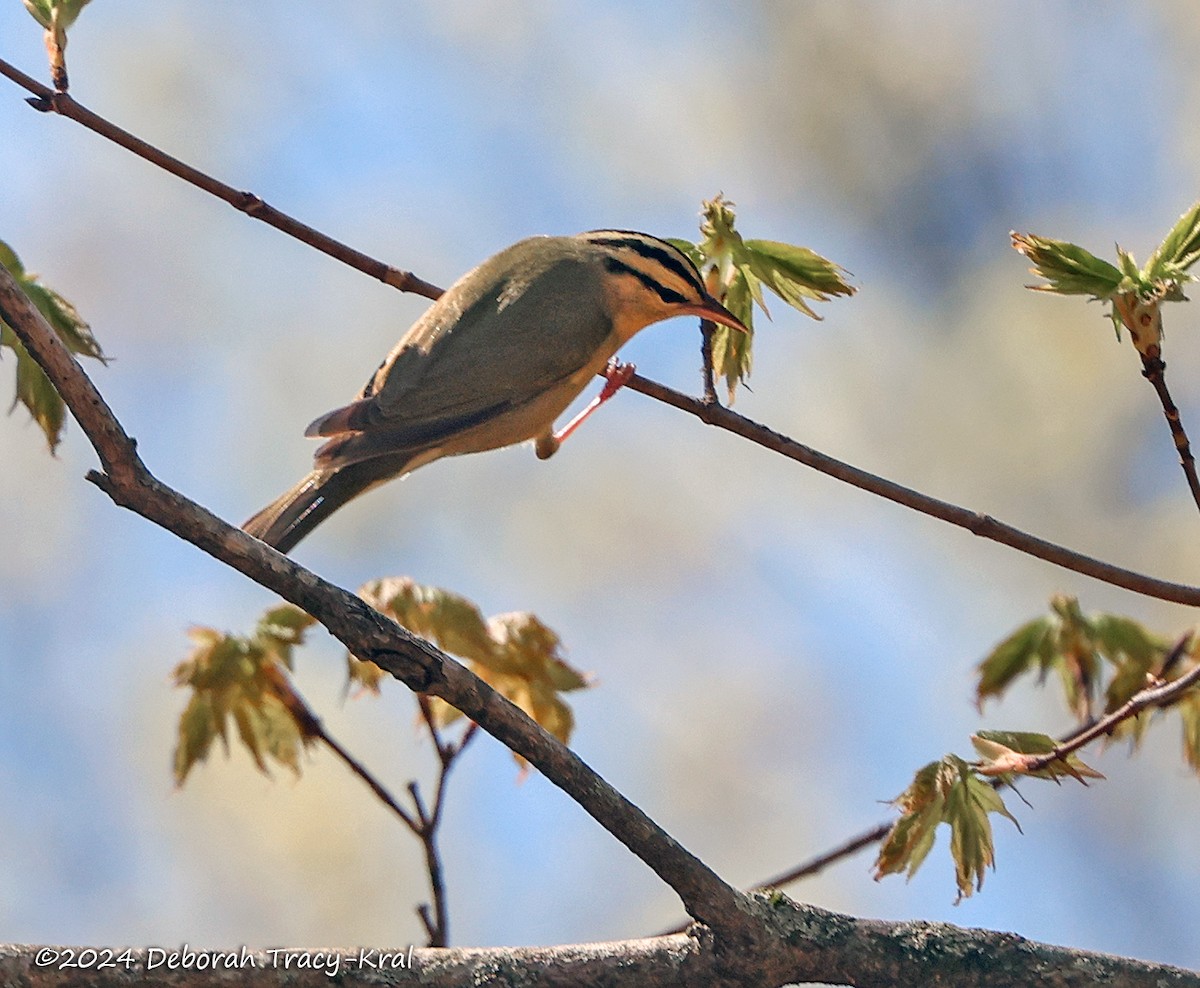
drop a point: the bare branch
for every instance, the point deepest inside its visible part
(805, 945)
(982, 525)
(49, 101)
(1154, 371)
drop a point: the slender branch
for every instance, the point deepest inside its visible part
(708, 330)
(311, 727)
(974, 522)
(1154, 371)
(707, 410)
(423, 823)
(437, 924)
(367, 633)
(49, 101)
(358, 769)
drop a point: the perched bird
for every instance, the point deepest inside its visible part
(494, 362)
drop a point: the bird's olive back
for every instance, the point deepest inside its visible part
(523, 320)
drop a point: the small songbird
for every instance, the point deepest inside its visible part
(494, 362)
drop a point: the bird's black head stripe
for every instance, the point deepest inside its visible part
(662, 291)
(665, 254)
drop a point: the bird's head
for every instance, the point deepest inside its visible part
(648, 280)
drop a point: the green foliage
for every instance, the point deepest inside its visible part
(1069, 268)
(949, 791)
(1077, 647)
(1006, 754)
(55, 14)
(516, 654)
(1136, 293)
(736, 271)
(962, 794)
(1179, 250)
(1098, 655)
(33, 387)
(244, 679)
(1095, 655)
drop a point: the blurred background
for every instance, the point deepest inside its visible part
(776, 653)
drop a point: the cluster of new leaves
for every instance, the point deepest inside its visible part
(961, 794)
(243, 678)
(736, 271)
(1098, 656)
(948, 791)
(516, 654)
(1135, 293)
(1095, 657)
(34, 389)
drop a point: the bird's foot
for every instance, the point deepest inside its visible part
(616, 376)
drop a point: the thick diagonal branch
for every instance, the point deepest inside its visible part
(363, 630)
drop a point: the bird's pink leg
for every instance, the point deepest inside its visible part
(616, 376)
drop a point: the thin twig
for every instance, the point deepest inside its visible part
(422, 822)
(357, 768)
(311, 727)
(437, 926)
(1154, 371)
(708, 329)
(974, 522)
(49, 101)
(708, 411)
(810, 867)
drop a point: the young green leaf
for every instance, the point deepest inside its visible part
(1179, 250)
(1189, 713)
(1005, 754)
(795, 274)
(243, 679)
(55, 14)
(33, 387)
(967, 807)
(1019, 653)
(1069, 268)
(921, 808)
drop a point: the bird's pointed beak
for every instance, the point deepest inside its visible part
(710, 308)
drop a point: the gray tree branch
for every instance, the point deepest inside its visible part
(795, 944)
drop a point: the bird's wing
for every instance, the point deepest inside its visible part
(490, 345)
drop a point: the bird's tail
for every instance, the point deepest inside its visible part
(292, 515)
